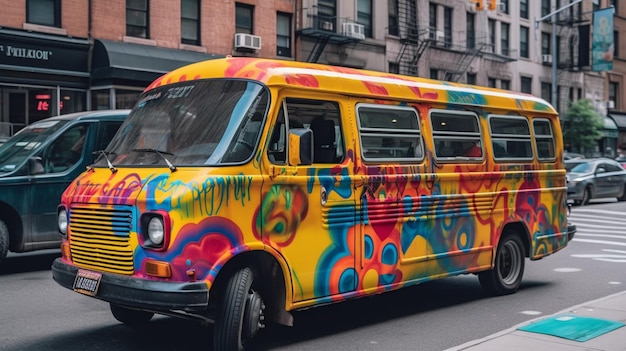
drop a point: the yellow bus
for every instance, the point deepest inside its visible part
(241, 189)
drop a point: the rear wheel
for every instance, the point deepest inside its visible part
(240, 315)
(507, 273)
(4, 241)
(623, 196)
(130, 316)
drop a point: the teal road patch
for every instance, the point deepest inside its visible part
(572, 327)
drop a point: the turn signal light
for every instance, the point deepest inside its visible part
(158, 269)
(65, 251)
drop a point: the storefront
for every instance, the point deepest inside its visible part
(620, 122)
(608, 143)
(40, 76)
(121, 71)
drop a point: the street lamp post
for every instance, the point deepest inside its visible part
(552, 16)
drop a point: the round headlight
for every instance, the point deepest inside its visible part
(156, 231)
(62, 221)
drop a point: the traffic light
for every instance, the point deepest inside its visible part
(480, 4)
(493, 5)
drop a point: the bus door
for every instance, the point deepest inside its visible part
(395, 228)
(308, 210)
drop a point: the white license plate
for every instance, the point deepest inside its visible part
(87, 282)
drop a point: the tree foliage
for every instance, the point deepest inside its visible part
(583, 125)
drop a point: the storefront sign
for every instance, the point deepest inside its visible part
(43, 53)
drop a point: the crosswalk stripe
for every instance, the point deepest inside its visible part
(590, 210)
(605, 242)
(602, 235)
(594, 218)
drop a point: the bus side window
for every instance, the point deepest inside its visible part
(277, 150)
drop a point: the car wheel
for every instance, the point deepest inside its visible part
(4, 241)
(129, 316)
(623, 197)
(586, 196)
(240, 315)
(506, 275)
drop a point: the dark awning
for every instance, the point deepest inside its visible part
(141, 63)
(619, 119)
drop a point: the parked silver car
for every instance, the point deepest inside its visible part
(595, 178)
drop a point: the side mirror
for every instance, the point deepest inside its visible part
(300, 146)
(35, 166)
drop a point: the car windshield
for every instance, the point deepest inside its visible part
(20, 146)
(584, 167)
(200, 122)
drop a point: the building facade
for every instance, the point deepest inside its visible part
(61, 56)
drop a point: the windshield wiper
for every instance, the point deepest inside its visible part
(106, 157)
(162, 154)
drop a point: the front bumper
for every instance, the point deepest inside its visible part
(140, 293)
(571, 230)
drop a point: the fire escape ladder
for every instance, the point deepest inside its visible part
(464, 64)
(318, 48)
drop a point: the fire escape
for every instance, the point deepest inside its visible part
(324, 29)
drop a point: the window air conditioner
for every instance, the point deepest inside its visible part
(247, 41)
(546, 58)
(327, 25)
(353, 30)
(610, 104)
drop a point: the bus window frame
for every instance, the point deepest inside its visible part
(386, 133)
(456, 136)
(544, 137)
(511, 137)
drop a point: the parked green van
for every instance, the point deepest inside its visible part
(37, 164)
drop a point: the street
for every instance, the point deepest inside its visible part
(37, 314)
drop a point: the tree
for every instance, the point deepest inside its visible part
(583, 125)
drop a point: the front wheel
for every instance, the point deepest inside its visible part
(586, 197)
(506, 275)
(623, 196)
(240, 315)
(129, 316)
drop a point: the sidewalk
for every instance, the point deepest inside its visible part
(610, 309)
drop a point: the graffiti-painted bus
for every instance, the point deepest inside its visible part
(241, 189)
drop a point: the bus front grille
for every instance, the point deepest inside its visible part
(100, 238)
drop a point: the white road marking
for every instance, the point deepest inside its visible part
(589, 210)
(567, 270)
(605, 242)
(615, 283)
(531, 313)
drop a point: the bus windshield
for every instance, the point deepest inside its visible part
(192, 123)
(15, 150)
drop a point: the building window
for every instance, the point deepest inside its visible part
(504, 39)
(471, 78)
(470, 33)
(447, 26)
(546, 91)
(545, 44)
(526, 85)
(434, 73)
(505, 84)
(327, 12)
(491, 82)
(505, 6)
(614, 94)
(283, 34)
(492, 34)
(243, 18)
(190, 21)
(44, 12)
(394, 27)
(523, 42)
(394, 67)
(137, 18)
(545, 7)
(432, 20)
(523, 9)
(364, 16)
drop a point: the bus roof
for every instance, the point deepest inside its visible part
(350, 81)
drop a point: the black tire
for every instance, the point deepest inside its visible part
(129, 316)
(586, 197)
(623, 196)
(507, 273)
(4, 241)
(240, 315)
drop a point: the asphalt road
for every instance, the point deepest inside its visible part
(37, 314)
